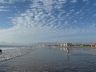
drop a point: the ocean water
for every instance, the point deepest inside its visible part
(50, 59)
(12, 52)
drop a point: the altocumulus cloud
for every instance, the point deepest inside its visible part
(49, 18)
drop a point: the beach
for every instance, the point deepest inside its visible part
(48, 59)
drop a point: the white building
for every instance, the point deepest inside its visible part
(66, 44)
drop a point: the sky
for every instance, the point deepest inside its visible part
(33, 21)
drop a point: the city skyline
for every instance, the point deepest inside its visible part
(33, 21)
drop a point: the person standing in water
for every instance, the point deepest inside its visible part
(68, 52)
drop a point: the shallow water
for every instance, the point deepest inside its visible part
(49, 59)
(12, 52)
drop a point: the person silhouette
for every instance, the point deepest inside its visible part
(0, 51)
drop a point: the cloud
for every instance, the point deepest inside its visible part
(94, 4)
(10, 1)
(73, 1)
(85, 0)
(4, 8)
(94, 15)
(76, 39)
(45, 19)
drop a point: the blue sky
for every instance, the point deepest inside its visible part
(32, 21)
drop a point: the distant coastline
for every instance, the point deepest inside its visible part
(74, 46)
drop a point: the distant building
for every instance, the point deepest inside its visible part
(82, 45)
(93, 44)
(66, 44)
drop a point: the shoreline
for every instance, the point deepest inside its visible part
(74, 46)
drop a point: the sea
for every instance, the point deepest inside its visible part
(47, 59)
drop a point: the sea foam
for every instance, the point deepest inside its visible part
(12, 52)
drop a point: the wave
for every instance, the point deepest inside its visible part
(12, 52)
(6, 48)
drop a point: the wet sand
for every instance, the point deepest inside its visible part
(52, 60)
